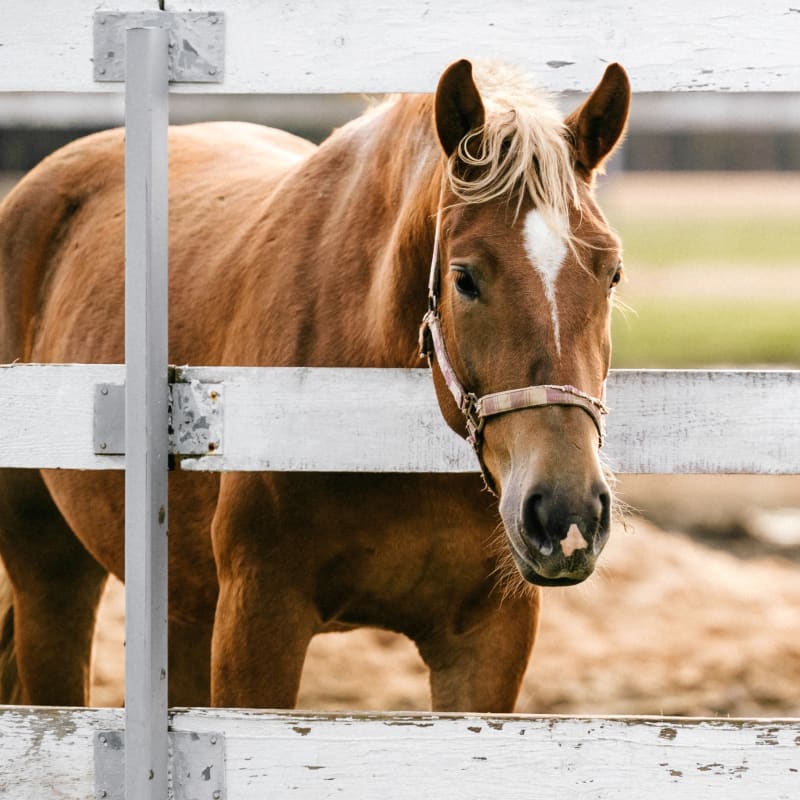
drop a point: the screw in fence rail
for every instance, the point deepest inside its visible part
(146, 120)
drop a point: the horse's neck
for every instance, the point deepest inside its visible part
(405, 226)
(377, 189)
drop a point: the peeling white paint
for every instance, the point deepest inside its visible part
(546, 250)
(48, 752)
(417, 38)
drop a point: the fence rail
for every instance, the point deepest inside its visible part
(318, 46)
(376, 420)
(472, 757)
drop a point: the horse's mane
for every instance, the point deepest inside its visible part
(521, 149)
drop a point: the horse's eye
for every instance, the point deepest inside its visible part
(617, 276)
(465, 283)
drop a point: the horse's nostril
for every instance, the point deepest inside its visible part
(545, 546)
(604, 508)
(603, 524)
(535, 501)
(534, 520)
(572, 522)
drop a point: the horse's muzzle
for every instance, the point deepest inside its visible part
(556, 536)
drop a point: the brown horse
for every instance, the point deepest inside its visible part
(285, 254)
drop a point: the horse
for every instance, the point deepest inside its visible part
(470, 212)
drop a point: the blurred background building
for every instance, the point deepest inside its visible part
(680, 131)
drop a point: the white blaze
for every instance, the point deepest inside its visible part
(547, 250)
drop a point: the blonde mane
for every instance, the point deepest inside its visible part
(521, 146)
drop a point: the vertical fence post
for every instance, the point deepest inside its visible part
(146, 119)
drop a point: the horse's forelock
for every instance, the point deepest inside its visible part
(522, 149)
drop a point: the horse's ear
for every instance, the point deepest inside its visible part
(597, 126)
(458, 105)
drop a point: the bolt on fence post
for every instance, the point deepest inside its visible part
(146, 120)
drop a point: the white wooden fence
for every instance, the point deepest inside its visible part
(661, 422)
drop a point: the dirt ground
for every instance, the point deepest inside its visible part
(706, 195)
(698, 621)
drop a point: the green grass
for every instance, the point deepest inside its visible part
(709, 317)
(752, 240)
(691, 334)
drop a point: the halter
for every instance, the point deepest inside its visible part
(476, 409)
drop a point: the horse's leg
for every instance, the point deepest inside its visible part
(481, 669)
(192, 574)
(56, 590)
(10, 687)
(257, 654)
(264, 620)
(189, 664)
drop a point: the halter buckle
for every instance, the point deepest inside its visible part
(470, 408)
(426, 348)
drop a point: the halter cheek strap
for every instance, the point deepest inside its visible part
(477, 409)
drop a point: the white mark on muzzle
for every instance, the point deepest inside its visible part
(573, 541)
(546, 250)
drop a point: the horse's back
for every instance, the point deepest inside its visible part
(62, 230)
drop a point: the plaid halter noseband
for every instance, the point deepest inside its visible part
(476, 409)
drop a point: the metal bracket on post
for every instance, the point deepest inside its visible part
(196, 44)
(196, 765)
(195, 418)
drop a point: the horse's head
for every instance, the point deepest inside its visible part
(521, 298)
